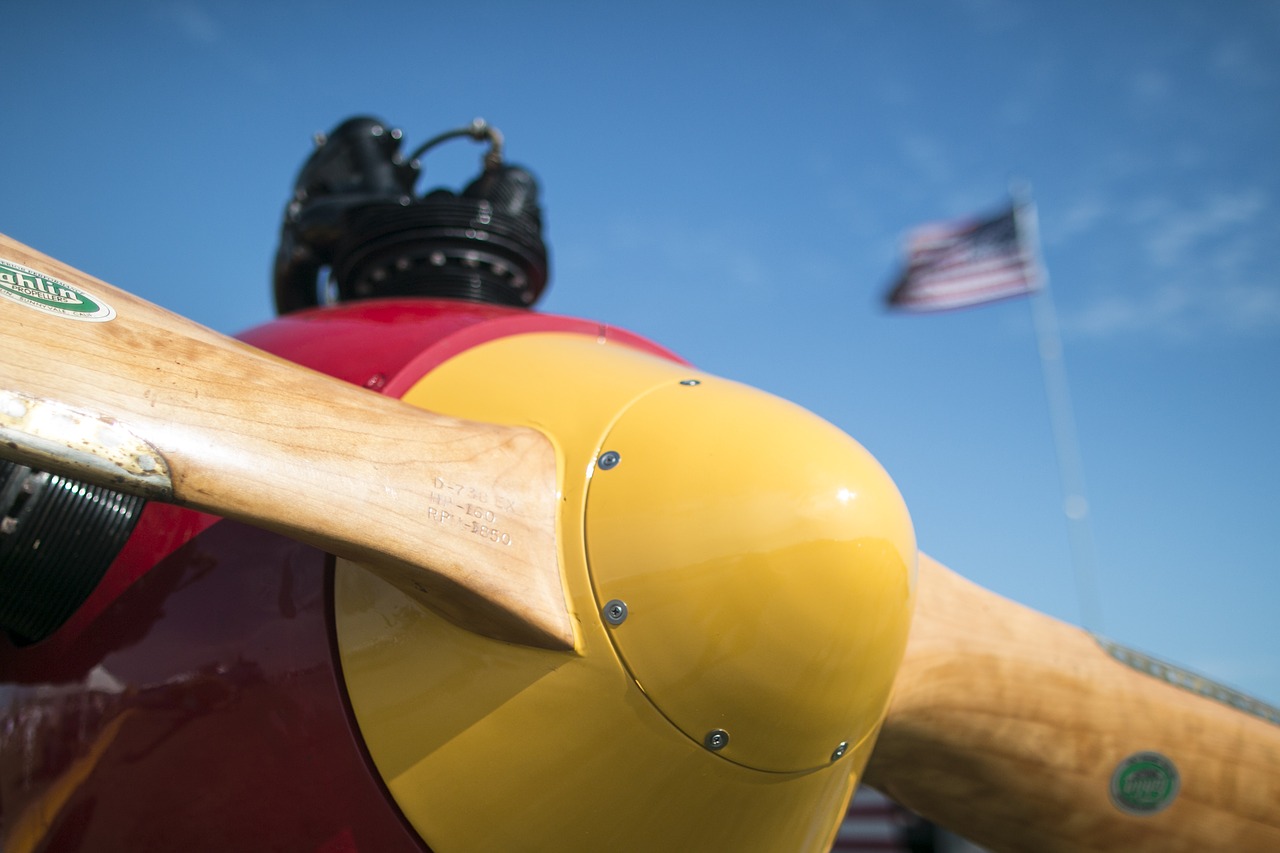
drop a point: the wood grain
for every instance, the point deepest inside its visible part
(1007, 726)
(228, 429)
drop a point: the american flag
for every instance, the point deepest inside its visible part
(963, 263)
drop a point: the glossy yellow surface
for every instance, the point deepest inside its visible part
(766, 562)
(492, 746)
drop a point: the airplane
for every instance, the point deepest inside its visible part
(416, 567)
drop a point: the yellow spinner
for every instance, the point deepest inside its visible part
(741, 575)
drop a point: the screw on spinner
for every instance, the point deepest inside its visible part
(608, 460)
(615, 612)
(716, 740)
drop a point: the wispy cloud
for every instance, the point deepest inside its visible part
(927, 157)
(1163, 309)
(1201, 268)
(1177, 234)
(715, 254)
(1238, 61)
(993, 15)
(1178, 310)
(193, 21)
(199, 24)
(1151, 86)
(1079, 217)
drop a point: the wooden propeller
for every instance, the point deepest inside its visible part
(1006, 726)
(133, 397)
(1012, 728)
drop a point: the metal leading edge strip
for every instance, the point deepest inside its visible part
(1187, 680)
(52, 436)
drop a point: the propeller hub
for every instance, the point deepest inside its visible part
(741, 576)
(754, 566)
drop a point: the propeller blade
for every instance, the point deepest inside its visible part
(1021, 732)
(104, 387)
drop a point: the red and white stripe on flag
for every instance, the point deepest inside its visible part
(963, 263)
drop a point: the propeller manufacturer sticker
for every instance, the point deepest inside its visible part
(1144, 783)
(50, 295)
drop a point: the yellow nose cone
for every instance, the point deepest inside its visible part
(755, 569)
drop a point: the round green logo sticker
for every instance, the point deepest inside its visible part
(51, 295)
(1144, 783)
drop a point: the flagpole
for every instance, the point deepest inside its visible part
(1075, 505)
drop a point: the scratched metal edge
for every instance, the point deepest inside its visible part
(51, 436)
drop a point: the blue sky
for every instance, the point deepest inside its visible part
(734, 180)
